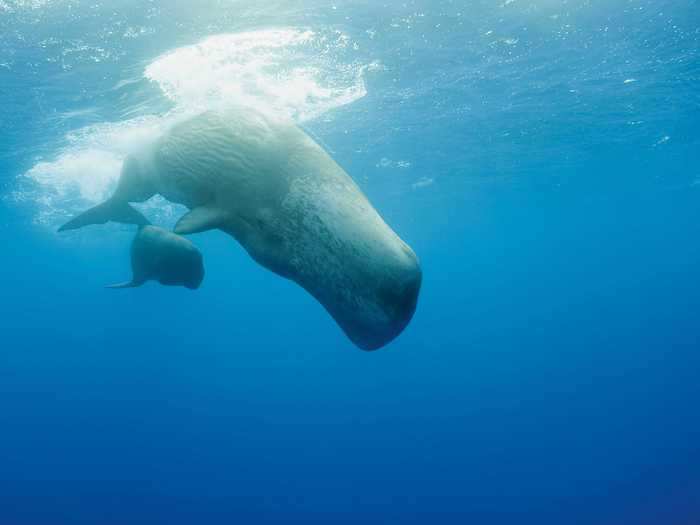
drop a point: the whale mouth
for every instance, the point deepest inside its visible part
(296, 72)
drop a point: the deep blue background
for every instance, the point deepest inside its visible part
(550, 373)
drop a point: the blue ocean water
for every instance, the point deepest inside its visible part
(541, 158)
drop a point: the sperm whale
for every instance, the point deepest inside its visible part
(263, 180)
(160, 255)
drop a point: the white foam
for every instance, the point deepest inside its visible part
(286, 70)
(13, 5)
(296, 72)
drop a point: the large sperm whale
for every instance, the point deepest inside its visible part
(264, 181)
(160, 255)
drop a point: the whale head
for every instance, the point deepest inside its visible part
(374, 316)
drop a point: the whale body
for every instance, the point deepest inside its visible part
(160, 255)
(264, 181)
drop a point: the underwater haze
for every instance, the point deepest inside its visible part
(541, 157)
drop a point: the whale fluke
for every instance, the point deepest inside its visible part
(110, 210)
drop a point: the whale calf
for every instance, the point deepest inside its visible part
(267, 183)
(163, 256)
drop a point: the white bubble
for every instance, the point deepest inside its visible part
(423, 182)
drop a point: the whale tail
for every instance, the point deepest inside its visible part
(110, 210)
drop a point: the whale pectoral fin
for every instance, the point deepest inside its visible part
(128, 284)
(200, 219)
(110, 210)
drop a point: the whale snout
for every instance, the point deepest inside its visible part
(392, 307)
(398, 301)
